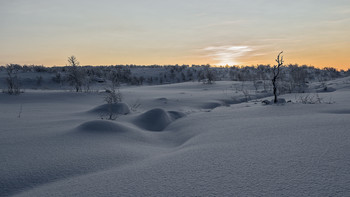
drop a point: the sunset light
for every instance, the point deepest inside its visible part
(109, 98)
(175, 32)
(227, 55)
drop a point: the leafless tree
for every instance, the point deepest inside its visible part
(276, 72)
(12, 80)
(75, 75)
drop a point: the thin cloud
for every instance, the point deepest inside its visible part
(227, 55)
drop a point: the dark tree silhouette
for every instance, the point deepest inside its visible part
(276, 72)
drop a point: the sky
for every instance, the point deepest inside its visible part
(163, 32)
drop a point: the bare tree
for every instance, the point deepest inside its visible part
(13, 85)
(276, 72)
(75, 75)
(73, 61)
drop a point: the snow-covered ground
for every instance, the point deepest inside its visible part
(186, 139)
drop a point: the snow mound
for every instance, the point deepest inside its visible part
(326, 89)
(156, 119)
(211, 105)
(118, 108)
(176, 115)
(102, 126)
(163, 100)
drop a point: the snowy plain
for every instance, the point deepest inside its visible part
(185, 139)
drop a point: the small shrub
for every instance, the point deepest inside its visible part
(310, 99)
(113, 96)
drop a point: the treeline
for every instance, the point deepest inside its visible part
(293, 78)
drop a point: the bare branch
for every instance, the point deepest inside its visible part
(280, 62)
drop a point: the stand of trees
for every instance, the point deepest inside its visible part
(292, 78)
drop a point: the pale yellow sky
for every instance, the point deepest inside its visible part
(109, 32)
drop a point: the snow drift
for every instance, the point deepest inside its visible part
(156, 119)
(102, 126)
(118, 108)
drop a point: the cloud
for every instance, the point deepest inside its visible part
(227, 54)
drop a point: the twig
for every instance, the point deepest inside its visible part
(20, 111)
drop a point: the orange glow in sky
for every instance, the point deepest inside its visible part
(107, 32)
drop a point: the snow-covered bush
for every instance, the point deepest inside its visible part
(113, 96)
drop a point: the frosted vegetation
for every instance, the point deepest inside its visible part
(174, 131)
(292, 78)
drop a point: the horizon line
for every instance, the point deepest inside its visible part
(190, 65)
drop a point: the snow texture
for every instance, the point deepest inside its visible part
(52, 144)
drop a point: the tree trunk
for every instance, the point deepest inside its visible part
(274, 89)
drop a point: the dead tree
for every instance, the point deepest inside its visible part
(276, 72)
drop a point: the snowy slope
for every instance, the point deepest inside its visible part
(184, 140)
